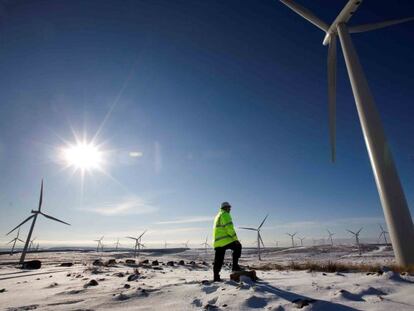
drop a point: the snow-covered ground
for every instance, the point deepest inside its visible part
(188, 286)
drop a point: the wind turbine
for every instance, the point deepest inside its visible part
(137, 242)
(356, 234)
(383, 233)
(34, 217)
(31, 244)
(292, 236)
(37, 247)
(393, 201)
(165, 244)
(205, 244)
(117, 244)
(330, 236)
(277, 244)
(259, 237)
(301, 240)
(14, 242)
(100, 245)
(186, 244)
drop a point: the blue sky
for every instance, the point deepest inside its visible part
(222, 101)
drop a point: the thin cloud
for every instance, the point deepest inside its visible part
(186, 220)
(134, 205)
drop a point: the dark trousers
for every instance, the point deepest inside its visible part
(221, 251)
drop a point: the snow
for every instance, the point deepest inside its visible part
(189, 287)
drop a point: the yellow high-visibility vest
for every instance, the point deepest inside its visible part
(223, 231)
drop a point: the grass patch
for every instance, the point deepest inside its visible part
(331, 267)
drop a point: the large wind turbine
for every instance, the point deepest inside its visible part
(292, 237)
(389, 187)
(356, 234)
(137, 242)
(259, 237)
(301, 240)
(34, 216)
(14, 242)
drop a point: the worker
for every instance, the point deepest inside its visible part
(224, 238)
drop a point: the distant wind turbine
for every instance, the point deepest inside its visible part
(186, 244)
(165, 244)
(100, 244)
(331, 234)
(384, 234)
(31, 244)
(301, 240)
(137, 242)
(292, 237)
(393, 201)
(117, 244)
(16, 239)
(34, 217)
(205, 244)
(259, 237)
(356, 234)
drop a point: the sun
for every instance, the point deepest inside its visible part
(83, 156)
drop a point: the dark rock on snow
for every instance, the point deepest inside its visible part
(32, 264)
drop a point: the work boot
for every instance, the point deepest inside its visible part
(236, 267)
(217, 278)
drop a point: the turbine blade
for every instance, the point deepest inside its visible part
(263, 221)
(12, 241)
(142, 234)
(375, 26)
(20, 240)
(55, 219)
(350, 231)
(359, 231)
(253, 229)
(306, 14)
(130, 237)
(27, 219)
(41, 196)
(332, 95)
(260, 238)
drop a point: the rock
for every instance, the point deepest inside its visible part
(2, 290)
(170, 263)
(205, 282)
(181, 263)
(210, 307)
(119, 274)
(97, 262)
(235, 276)
(66, 264)
(133, 277)
(110, 262)
(204, 263)
(127, 286)
(68, 274)
(92, 283)
(157, 268)
(155, 263)
(32, 264)
(145, 261)
(192, 263)
(130, 261)
(302, 302)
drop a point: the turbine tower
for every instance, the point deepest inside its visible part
(301, 240)
(165, 244)
(259, 237)
(388, 183)
(14, 242)
(330, 236)
(356, 234)
(138, 244)
(117, 244)
(34, 217)
(383, 233)
(292, 237)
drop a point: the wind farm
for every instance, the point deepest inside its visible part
(172, 139)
